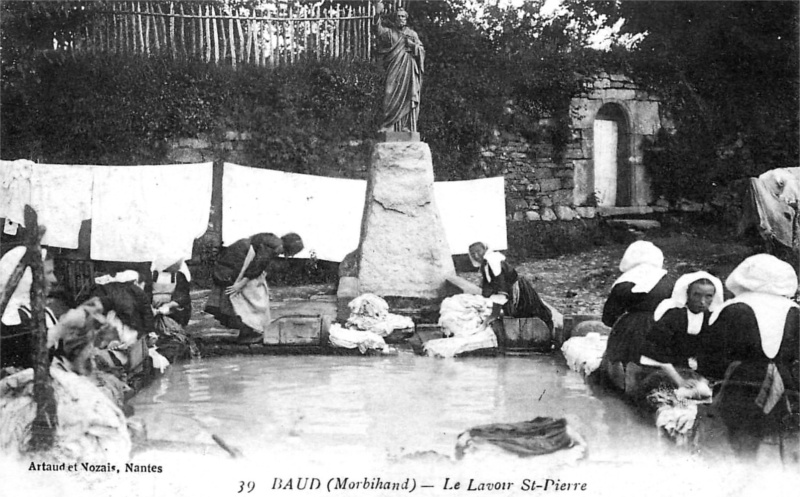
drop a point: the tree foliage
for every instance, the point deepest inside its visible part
(727, 73)
(504, 73)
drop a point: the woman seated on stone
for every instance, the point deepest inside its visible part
(630, 306)
(16, 337)
(509, 292)
(673, 341)
(240, 297)
(171, 296)
(753, 344)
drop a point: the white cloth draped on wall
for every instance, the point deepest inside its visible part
(326, 212)
(144, 213)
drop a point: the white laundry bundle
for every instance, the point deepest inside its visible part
(676, 420)
(584, 354)
(457, 345)
(350, 339)
(461, 315)
(160, 362)
(369, 312)
(90, 426)
(369, 305)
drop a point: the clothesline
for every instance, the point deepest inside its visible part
(145, 213)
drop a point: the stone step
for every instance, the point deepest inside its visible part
(634, 224)
(629, 210)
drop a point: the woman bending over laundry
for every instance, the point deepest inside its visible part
(673, 342)
(629, 308)
(753, 344)
(510, 293)
(240, 297)
(171, 292)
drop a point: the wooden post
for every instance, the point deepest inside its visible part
(43, 429)
(183, 32)
(156, 42)
(232, 40)
(140, 29)
(241, 39)
(223, 42)
(216, 34)
(197, 29)
(249, 40)
(270, 26)
(357, 31)
(318, 23)
(172, 30)
(369, 31)
(163, 21)
(208, 33)
(111, 27)
(290, 26)
(336, 33)
(123, 24)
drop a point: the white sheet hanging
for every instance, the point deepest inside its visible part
(144, 213)
(62, 197)
(15, 189)
(473, 210)
(327, 212)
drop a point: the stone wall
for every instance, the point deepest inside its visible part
(543, 184)
(538, 187)
(348, 160)
(643, 121)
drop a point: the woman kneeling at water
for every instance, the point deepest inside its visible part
(509, 292)
(753, 343)
(629, 308)
(673, 342)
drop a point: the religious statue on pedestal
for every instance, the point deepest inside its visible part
(404, 61)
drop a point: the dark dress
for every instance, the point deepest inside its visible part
(669, 342)
(181, 295)
(630, 316)
(16, 349)
(226, 270)
(732, 345)
(528, 304)
(131, 304)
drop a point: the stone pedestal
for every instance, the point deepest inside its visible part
(403, 250)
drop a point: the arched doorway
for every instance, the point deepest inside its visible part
(613, 179)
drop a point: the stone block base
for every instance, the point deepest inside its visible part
(398, 136)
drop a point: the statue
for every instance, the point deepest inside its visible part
(404, 58)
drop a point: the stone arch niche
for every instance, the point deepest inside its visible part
(611, 171)
(611, 121)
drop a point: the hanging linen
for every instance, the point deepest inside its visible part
(147, 213)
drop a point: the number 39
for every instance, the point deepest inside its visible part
(249, 486)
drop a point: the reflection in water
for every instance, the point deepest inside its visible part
(387, 406)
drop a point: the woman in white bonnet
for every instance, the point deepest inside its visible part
(681, 320)
(753, 344)
(629, 308)
(509, 292)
